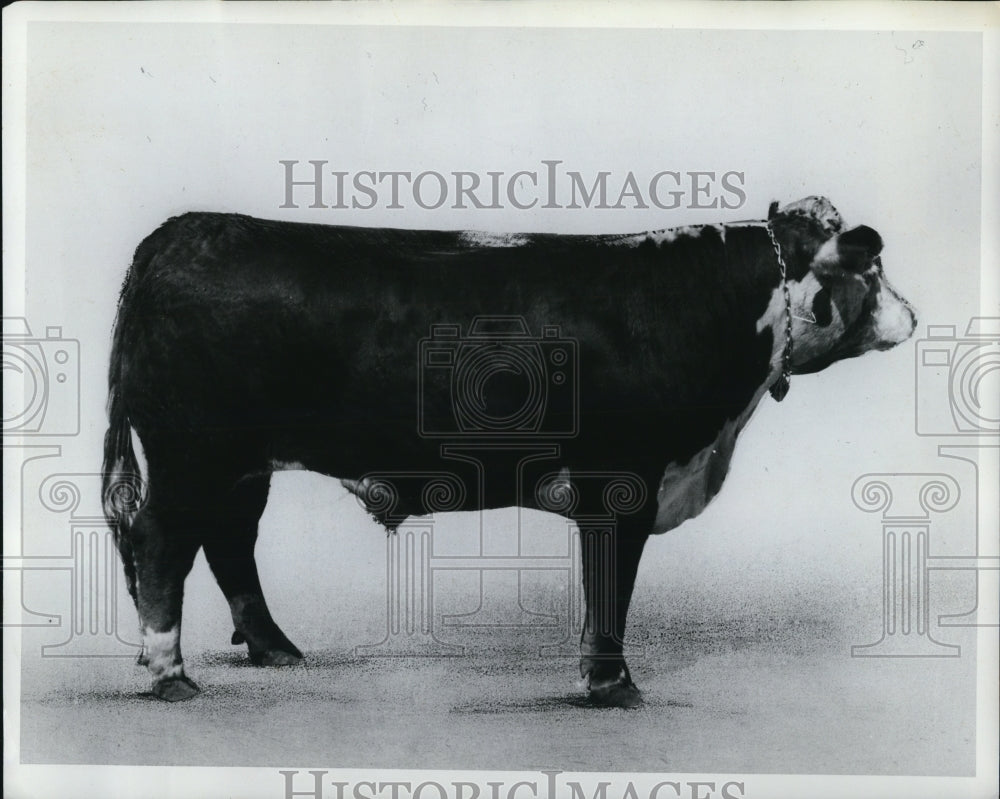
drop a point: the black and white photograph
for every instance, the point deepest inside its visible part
(492, 401)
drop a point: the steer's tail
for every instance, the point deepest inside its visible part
(121, 484)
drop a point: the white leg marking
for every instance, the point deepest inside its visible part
(164, 652)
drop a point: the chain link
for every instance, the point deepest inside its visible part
(780, 388)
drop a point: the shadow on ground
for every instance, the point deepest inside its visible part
(740, 695)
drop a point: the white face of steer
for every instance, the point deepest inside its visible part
(843, 306)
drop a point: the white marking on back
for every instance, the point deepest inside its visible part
(287, 466)
(661, 237)
(478, 238)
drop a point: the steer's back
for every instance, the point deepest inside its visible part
(280, 337)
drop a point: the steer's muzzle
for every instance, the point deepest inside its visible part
(893, 318)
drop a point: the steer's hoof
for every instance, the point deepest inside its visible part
(617, 692)
(276, 657)
(175, 689)
(142, 660)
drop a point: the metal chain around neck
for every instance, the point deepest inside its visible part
(780, 386)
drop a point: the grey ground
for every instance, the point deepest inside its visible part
(734, 695)
(744, 661)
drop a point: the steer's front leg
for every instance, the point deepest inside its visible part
(610, 562)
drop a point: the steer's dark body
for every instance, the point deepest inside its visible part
(252, 341)
(243, 344)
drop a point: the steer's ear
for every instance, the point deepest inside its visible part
(851, 251)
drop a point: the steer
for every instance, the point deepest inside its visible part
(604, 377)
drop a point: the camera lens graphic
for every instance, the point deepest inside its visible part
(499, 387)
(25, 387)
(975, 387)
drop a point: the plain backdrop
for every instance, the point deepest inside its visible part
(128, 125)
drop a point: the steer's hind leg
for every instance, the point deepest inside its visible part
(229, 549)
(610, 562)
(165, 543)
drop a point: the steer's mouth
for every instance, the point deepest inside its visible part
(820, 363)
(860, 338)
